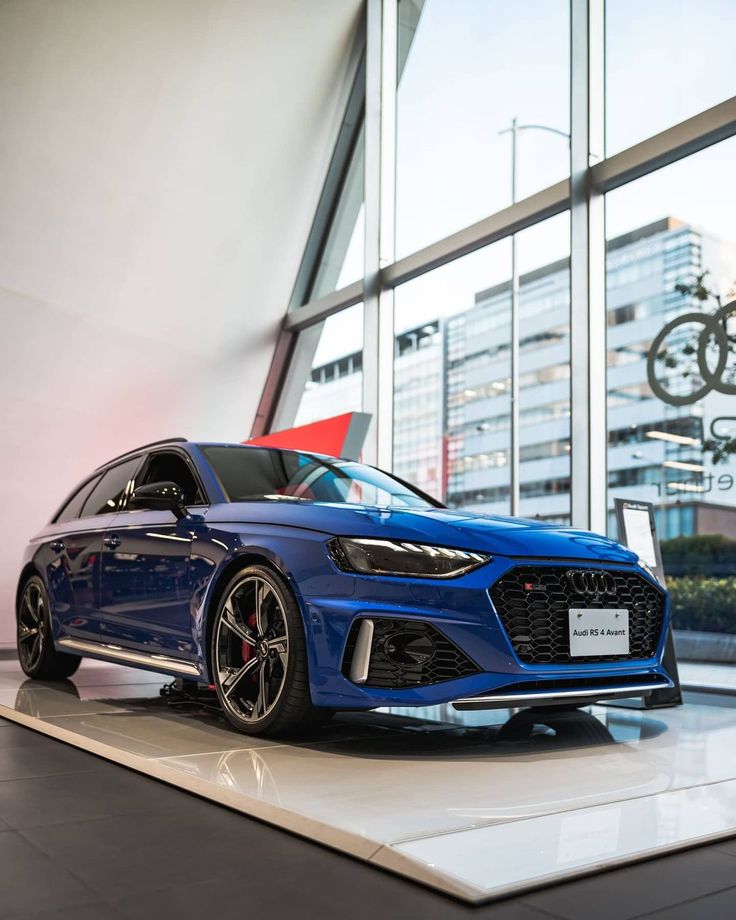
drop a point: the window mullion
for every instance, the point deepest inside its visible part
(378, 333)
(587, 271)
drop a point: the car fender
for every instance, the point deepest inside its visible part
(221, 552)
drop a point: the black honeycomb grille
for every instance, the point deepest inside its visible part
(447, 662)
(533, 603)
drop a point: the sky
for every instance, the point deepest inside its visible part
(476, 64)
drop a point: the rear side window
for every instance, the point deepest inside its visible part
(105, 496)
(73, 507)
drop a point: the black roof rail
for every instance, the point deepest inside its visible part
(135, 450)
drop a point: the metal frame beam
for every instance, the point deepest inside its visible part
(318, 310)
(295, 378)
(681, 140)
(386, 240)
(547, 203)
(277, 374)
(336, 175)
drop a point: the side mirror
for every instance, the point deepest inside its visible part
(159, 496)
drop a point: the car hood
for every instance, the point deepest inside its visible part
(498, 535)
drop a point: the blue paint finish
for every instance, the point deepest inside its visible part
(157, 591)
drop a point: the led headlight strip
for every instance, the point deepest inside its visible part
(398, 557)
(647, 568)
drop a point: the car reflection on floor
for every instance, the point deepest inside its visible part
(426, 730)
(588, 785)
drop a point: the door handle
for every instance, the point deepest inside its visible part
(57, 546)
(112, 541)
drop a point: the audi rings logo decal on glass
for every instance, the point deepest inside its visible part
(591, 583)
(714, 338)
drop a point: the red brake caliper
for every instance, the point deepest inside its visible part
(248, 650)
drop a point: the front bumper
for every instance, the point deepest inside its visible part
(595, 691)
(462, 611)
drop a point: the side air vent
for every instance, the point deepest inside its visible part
(404, 653)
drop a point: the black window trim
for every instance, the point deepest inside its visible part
(97, 475)
(147, 457)
(103, 471)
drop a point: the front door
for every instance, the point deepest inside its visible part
(145, 584)
(146, 573)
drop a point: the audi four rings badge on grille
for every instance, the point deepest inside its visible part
(591, 583)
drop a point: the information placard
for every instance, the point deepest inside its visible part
(637, 529)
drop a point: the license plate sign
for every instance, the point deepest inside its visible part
(599, 632)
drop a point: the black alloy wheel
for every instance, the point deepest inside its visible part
(36, 653)
(259, 657)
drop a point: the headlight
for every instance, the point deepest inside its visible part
(397, 557)
(644, 565)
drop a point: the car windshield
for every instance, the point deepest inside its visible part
(256, 473)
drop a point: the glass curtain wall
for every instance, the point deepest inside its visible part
(473, 71)
(452, 377)
(341, 259)
(451, 380)
(671, 279)
(665, 61)
(543, 254)
(488, 240)
(334, 382)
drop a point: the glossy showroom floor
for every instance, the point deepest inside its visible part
(479, 808)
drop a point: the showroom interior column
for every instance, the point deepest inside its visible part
(380, 153)
(587, 270)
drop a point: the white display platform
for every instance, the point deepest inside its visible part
(461, 802)
(696, 675)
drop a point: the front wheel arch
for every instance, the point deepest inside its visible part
(223, 578)
(29, 569)
(254, 707)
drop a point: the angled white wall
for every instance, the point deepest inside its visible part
(160, 164)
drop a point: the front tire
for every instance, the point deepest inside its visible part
(259, 655)
(36, 653)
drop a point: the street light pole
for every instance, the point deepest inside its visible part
(514, 470)
(515, 465)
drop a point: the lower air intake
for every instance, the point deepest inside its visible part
(408, 653)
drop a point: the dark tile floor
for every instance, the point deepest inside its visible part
(83, 839)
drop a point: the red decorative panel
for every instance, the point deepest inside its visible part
(339, 436)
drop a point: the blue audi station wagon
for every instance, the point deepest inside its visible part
(295, 585)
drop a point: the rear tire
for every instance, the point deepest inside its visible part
(259, 656)
(36, 653)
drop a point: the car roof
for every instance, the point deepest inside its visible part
(202, 444)
(286, 450)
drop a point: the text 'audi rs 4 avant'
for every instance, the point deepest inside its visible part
(294, 585)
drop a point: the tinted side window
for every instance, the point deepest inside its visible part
(73, 507)
(165, 467)
(106, 495)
